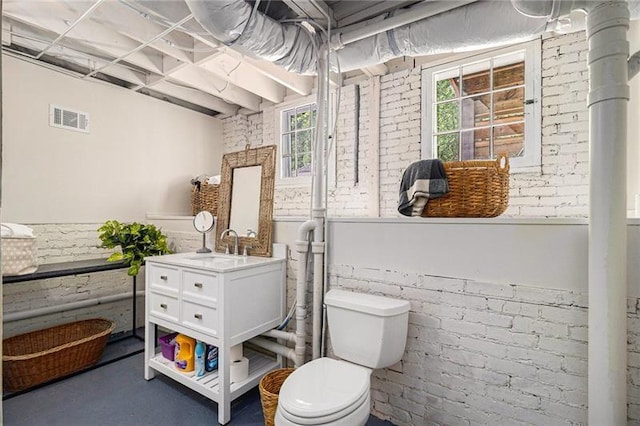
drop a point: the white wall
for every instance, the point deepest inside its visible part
(139, 157)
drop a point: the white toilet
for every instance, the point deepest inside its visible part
(367, 332)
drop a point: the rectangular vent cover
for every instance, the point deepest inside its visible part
(66, 118)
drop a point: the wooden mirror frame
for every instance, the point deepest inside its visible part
(264, 156)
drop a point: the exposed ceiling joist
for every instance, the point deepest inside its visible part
(99, 37)
(193, 95)
(243, 75)
(347, 13)
(202, 79)
(313, 9)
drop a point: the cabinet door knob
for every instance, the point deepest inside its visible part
(163, 305)
(197, 316)
(163, 277)
(199, 285)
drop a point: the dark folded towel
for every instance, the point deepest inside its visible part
(422, 180)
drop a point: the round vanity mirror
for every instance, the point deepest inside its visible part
(203, 222)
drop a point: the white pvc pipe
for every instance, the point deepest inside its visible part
(607, 25)
(47, 310)
(374, 135)
(275, 347)
(348, 35)
(318, 211)
(280, 334)
(301, 306)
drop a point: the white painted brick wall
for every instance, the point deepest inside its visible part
(480, 353)
(68, 242)
(559, 188)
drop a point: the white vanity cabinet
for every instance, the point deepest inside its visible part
(222, 300)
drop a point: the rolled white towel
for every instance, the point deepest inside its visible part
(214, 180)
(16, 230)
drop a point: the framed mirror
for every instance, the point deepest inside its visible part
(245, 200)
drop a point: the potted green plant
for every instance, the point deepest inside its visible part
(135, 240)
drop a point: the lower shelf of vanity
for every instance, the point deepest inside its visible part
(207, 385)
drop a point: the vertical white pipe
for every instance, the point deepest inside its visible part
(607, 25)
(374, 147)
(318, 210)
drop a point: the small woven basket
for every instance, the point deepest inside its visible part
(204, 197)
(40, 356)
(478, 188)
(269, 387)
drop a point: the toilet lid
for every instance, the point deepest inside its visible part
(323, 387)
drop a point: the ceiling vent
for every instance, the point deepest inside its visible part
(65, 118)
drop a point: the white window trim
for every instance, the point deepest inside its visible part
(532, 111)
(298, 181)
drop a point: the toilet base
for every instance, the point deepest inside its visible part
(358, 417)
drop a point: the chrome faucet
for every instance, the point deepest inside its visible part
(251, 233)
(235, 239)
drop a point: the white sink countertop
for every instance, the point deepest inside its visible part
(218, 262)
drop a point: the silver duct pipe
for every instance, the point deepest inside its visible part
(250, 32)
(454, 31)
(235, 24)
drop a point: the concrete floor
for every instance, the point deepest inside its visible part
(117, 394)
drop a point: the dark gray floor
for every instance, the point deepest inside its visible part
(117, 394)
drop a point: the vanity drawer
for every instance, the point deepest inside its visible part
(164, 277)
(198, 286)
(201, 317)
(164, 306)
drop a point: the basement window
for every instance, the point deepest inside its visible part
(481, 106)
(297, 132)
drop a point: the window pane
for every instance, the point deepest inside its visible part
(508, 106)
(508, 70)
(448, 147)
(286, 166)
(475, 144)
(303, 118)
(303, 164)
(303, 141)
(447, 85)
(475, 111)
(286, 144)
(287, 120)
(509, 139)
(475, 78)
(447, 116)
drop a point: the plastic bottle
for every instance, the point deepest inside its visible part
(211, 361)
(200, 358)
(184, 353)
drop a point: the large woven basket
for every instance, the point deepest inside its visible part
(204, 197)
(40, 356)
(270, 385)
(476, 189)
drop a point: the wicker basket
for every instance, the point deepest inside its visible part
(40, 356)
(476, 189)
(204, 197)
(270, 385)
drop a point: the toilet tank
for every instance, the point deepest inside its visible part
(366, 329)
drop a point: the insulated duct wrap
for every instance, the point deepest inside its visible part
(479, 25)
(467, 28)
(235, 24)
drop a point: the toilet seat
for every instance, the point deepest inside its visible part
(323, 391)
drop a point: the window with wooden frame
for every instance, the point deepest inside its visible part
(485, 105)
